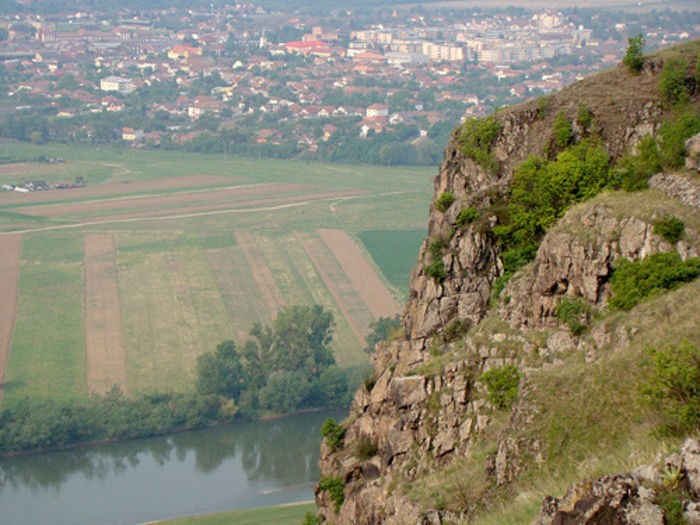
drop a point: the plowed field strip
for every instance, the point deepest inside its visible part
(315, 251)
(106, 359)
(10, 248)
(261, 272)
(228, 195)
(363, 277)
(105, 190)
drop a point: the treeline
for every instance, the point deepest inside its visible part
(282, 368)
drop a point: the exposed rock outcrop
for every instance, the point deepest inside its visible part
(631, 499)
(426, 409)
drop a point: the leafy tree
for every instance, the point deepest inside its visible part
(562, 130)
(221, 372)
(633, 58)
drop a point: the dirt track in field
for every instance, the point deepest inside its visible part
(313, 249)
(10, 249)
(261, 272)
(106, 359)
(363, 277)
(200, 199)
(106, 190)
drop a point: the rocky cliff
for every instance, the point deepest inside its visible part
(424, 442)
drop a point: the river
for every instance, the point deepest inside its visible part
(237, 466)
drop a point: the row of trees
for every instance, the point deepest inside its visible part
(283, 367)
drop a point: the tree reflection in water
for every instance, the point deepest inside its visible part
(283, 450)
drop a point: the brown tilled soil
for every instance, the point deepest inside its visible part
(313, 249)
(106, 359)
(104, 190)
(261, 271)
(228, 195)
(10, 247)
(363, 277)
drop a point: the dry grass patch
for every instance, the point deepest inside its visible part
(106, 359)
(10, 247)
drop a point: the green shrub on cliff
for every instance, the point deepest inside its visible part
(632, 282)
(674, 383)
(476, 139)
(502, 384)
(335, 488)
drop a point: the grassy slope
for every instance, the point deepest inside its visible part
(282, 515)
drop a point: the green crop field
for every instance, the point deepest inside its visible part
(395, 252)
(204, 246)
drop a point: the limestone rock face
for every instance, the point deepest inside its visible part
(628, 499)
(423, 411)
(692, 146)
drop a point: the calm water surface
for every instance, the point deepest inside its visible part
(243, 465)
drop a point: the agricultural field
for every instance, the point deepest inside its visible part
(162, 255)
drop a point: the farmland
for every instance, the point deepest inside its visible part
(162, 255)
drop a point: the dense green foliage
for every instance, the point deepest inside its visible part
(221, 372)
(335, 488)
(576, 313)
(633, 58)
(333, 433)
(672, 81)
(467, 216)
(444, 201)
(476, 139)
(634, 281)
(541, 192)
(670, 228)
(36, 425)
(632, 171)
(381, 329)
(502, 385)
(674, 133)
(675, 383)
(562, 130)
(436, 267)
(283, 367)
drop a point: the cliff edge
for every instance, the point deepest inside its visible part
(525, 361)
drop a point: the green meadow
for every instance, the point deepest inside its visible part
(184, 282)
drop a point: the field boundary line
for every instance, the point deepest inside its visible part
(10, 260)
